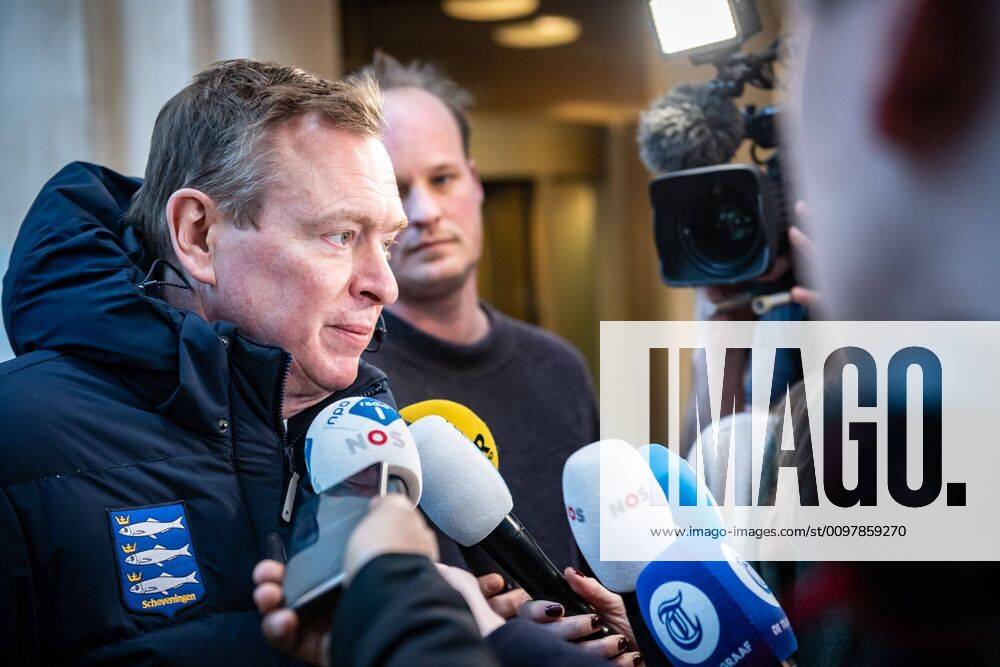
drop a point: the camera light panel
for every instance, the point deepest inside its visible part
(683, 25)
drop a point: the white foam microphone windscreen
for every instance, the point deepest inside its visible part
(356, 433)
(627, 489)
(464, 495)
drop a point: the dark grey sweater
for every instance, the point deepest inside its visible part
(531, 388)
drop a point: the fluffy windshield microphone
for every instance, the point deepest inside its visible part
(691, 126)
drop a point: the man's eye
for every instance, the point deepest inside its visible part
(442, 179)
(340, 238)
(387, 245)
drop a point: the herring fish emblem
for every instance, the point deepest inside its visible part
(157, 558)
(151, 528)
(158, 555)
(162, 584)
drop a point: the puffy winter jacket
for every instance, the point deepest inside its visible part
(143, 459)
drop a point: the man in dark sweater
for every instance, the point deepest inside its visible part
(531, 388)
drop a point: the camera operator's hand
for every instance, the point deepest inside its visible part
(804, 250)
(711, 300)
(618, 647)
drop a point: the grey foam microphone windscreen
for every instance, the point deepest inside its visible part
(629, 484)
(464, 495)
(353, 434)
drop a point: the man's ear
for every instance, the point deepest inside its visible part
(475, 175)
(940, 75)
(190, 216)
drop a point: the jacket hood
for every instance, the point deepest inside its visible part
(77, 284)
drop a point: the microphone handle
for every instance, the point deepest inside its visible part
(513, 549)
(651, 653)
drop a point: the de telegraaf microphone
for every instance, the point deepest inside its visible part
(753, 629)
(468, 500)
(707, 606)
(691, 126)
(355, 449)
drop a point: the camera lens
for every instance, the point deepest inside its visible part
(723, 231)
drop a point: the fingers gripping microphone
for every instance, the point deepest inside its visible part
(707, 606)
(468, 500)
(691, 126)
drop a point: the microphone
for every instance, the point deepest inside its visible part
(468, 500)
(355, 449)
(707, 606)
(625, 485)
(691, 126)
(685, 509)
(462, 418)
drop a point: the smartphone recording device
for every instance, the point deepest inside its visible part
(322, 525)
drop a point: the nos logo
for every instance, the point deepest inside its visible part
(688, 626)
(575, 514)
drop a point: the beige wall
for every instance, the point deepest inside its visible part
(84, 79)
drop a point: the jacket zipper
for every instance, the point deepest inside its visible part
(293, 481)
(289, 449)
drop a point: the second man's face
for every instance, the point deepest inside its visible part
(441, 194)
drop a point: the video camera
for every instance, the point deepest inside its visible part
(715, 223)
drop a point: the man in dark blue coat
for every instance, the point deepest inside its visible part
(174, 340)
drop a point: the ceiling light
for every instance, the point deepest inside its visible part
(540, 32)
(488, 10)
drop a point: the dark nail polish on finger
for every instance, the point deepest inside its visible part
(595, 621)
(622, 645)
(554, 610)
(637, 659)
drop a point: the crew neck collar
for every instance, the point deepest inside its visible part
(430, 350)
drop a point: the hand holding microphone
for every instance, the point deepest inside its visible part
(391, 525)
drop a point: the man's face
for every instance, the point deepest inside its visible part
(314, 277)
(441, 193)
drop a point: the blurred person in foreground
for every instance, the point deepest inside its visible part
(895, 129)
(174, 336)
(398, 608)
(531, 388)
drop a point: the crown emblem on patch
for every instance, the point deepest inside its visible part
(134, 577)
(128, 548)
(122, 520)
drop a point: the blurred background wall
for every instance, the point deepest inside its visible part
(569, 226)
